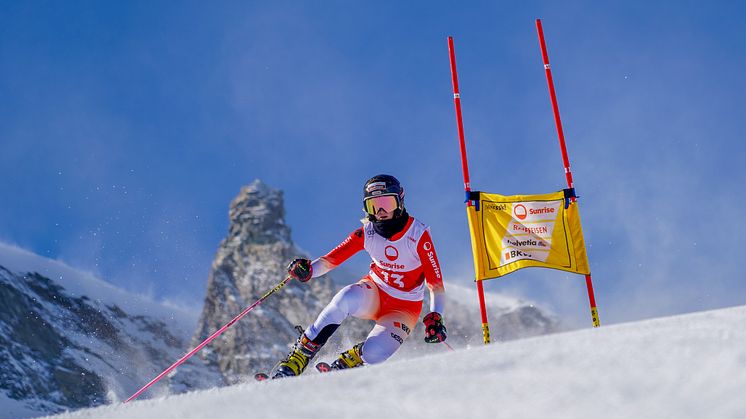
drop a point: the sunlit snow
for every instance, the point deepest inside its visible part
(688, 366)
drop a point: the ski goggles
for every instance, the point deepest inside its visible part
(388, 203)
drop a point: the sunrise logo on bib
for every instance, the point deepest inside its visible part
(391, 253)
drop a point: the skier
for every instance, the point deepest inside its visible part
(404, 261)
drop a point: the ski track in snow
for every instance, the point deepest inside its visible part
(687, 366)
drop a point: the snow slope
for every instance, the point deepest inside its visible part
(689, 366)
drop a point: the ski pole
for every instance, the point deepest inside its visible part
(447, 345)
(213, 336)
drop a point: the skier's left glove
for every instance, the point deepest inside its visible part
(300, 269)
(435, 330)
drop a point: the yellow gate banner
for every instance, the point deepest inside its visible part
(513, 232)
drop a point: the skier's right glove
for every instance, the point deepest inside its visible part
(435, 330)
(300, 269)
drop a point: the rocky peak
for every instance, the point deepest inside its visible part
(249, 262)
(257, 215)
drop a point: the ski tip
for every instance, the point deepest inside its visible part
(260, 376)
(323, 367)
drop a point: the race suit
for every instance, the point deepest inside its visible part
(391, 293)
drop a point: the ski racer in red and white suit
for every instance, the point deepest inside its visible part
(404, 262)
(391, 293)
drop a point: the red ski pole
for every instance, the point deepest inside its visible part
(210, 339)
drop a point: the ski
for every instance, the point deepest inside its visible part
(323, 367)
(264, 376)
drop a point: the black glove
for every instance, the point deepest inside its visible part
(300, 269)
(435, 330)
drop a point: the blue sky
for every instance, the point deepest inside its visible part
(127, 128)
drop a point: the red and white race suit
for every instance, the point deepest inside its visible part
(392, 291)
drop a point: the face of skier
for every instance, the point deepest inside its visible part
(382, 214)
(382, 207)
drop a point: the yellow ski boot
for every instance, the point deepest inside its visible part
(350, 358)
(297, 360)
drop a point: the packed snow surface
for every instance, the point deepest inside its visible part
(688, 366)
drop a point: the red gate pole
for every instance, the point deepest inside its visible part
(565, 159)
(465, 169)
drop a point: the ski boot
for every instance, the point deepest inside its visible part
(350, 358)
(295, 363)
